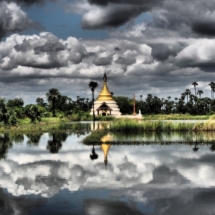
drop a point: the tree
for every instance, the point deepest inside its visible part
(33, 112)
(4, 114)
(34, 138)
(55, 144)
(187, 93)
(124, 104)
(53, 96)
(5, 144)
(40, 102)
(212, 85)
(18, 102)
(92, 86)
(200, 92)
(195, 84)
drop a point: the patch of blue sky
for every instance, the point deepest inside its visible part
(53, 18)
(144, 17)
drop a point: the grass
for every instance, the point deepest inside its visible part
(176, 117)
(95, 137)
(131, 125)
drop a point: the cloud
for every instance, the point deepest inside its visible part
(104, 14)
(162, 51)
(106, 207)
(14, 19)
(43, 51)
(28, 2)
(198, 54)
(165, 181)
(103, 58)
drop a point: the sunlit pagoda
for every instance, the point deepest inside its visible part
(105, 104)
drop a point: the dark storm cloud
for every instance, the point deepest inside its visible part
(204, 28)
(28, 2)
(14, 19)
(196, 19)
(112, 14)
(146, 3)
(162, 51)
(111, 18)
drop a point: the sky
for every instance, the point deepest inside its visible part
(159, 47)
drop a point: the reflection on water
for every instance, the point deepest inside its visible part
(164, 137)
(54, 173)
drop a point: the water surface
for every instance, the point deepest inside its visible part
(56, 174)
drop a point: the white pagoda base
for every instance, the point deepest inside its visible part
(112, 104)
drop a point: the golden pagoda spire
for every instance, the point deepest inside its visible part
(105, 94)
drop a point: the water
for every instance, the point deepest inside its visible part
(54, 174)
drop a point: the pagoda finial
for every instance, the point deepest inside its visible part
(105, 77)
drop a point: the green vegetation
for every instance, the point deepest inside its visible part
(60, 108)
(176, 117)
(186, 103)
(95, 137)
(130, 125)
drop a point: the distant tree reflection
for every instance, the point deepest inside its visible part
(212, 148)
(17, 138)
(55, 144)
(93, 154)
(5, 144)
(34, 138)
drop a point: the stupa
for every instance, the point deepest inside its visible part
(105, 104)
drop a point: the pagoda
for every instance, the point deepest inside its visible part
(105, 104)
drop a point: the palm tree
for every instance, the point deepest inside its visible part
(200, 92)
(141, 97)
(187, 93)
(92, 86)
(212, 84)
(195, 84)
(52, 96)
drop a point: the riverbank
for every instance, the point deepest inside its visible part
(135, 127)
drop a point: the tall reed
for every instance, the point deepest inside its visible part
(132, 125)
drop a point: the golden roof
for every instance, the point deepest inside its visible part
(105, 94)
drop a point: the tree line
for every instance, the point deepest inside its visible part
(59, 105)
(188, 102)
